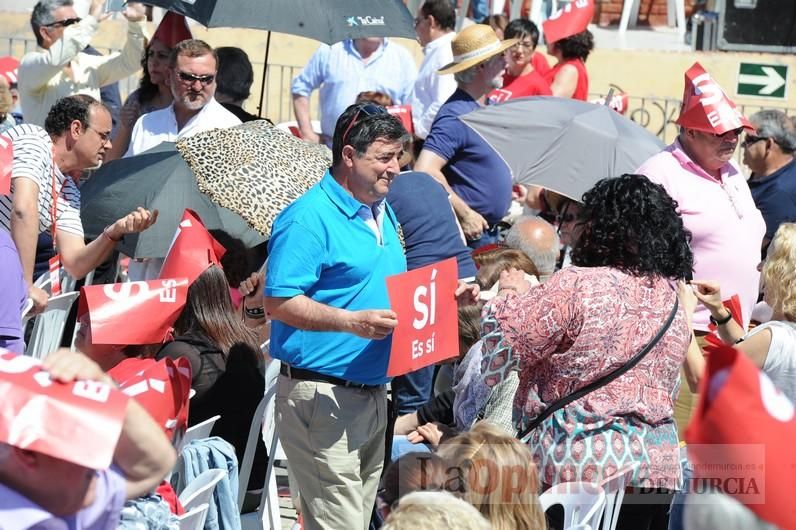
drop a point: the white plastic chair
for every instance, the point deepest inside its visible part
(200, 490)
(48, 328)
(263, 424)
(614, 487)
(675, 10)
(579, 527)
(193, 519)
(200, 430)
(583, 502)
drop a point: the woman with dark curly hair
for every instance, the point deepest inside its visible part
(589, 320)
(569, 78)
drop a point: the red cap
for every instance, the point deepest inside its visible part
(740, 439)
(6, 163)
(8, 69)
(172, 29)
(570, 20)
(192, 251)
(161, 387)
(706, 107)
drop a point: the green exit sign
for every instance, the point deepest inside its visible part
(762, 80)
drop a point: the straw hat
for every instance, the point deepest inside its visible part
(474, 44)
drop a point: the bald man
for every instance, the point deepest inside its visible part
(538, 239)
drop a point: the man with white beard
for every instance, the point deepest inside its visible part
(475, 177)
(192, 77)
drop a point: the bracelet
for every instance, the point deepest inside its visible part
(106, 234)
(254, 313)
(723, 320)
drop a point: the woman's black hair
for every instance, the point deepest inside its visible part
(632, 224)
(147, 90)
(577, 46)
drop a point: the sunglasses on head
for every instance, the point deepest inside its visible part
(368, 109)
(63, 23)
(185, 77)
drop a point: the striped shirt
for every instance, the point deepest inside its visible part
(33, 160)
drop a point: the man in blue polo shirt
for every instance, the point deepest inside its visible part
(769, 154)
(329, 254)
(477, 179)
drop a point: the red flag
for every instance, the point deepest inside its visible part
(403, 113)
(161, 387)
(133, 312)
(192, 251)
(570, 20)
(741, 436)
(428, 327)
(706, 107)
(79, 422)
(8, 68)
(6, 163)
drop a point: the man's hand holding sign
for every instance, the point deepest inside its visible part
(425, 302)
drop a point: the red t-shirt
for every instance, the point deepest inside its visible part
(540, 63)
(582, 86)
(532, 84)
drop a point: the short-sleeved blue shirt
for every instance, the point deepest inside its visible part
(775, 197)
(474, 170)
(428, 222)
(322, 249)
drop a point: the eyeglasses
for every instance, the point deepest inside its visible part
(190, 79)
(528, 45)
(63, 23)
(735, 132)
(752, 139)
(369, 109)
(418, 20)
(104, 136)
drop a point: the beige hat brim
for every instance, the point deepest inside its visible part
(454, 67)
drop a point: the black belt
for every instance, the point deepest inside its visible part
(308, 375)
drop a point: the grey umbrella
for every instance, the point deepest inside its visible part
(156, 179)
(563, 145)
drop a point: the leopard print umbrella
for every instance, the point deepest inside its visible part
(254, 169)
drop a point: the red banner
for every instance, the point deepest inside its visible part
(133, 312)
(79, 422)
(428, 326)
(403, 113)
(192, 251)
(6, 163)
(740, 439)
(161, 387)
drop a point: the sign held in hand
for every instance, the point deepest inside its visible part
(428, 328)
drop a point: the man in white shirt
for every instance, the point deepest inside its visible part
(61, 68)
(434, 27)
(192, 77)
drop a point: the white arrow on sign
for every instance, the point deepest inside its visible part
(771, 80)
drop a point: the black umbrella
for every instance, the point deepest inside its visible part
(156, 179)
(328, 21)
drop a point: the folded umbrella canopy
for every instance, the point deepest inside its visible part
(323, 20)
(156, 179)
(563, 145)
(254, 169)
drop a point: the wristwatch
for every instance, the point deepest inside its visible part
(723, 320)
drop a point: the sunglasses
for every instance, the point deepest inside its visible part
(63, 23)
(735, 132)
(190, 79)
(368, 109)
(752, 139)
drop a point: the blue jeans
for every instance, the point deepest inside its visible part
(678, 503)
(412, 390)
(489, 237)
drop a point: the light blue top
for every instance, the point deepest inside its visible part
(322, 247)
(341, 74)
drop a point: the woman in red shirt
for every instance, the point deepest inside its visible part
(523, 77)
(569, 78)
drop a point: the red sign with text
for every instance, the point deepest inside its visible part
(79, 422)
(403, 113)
(6, 163)
(192, 250)
(133, 312)
(428, 325)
